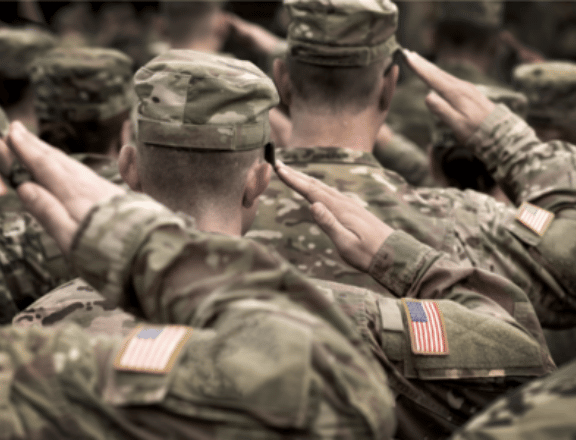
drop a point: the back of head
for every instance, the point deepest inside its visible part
(468, 25)
(83, 95)
(19, 47)
(337, 49)
(202, 120)
(551, 91)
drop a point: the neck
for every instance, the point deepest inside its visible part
(213, 219)
(311, 128)
(479, 61)
(210, 44)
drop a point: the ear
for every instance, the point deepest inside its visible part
(388, 88)
(257, 181)
(282, 80)
(128, 166)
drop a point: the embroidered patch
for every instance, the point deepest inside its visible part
(426, 323)
(534, 218)
(152, 349)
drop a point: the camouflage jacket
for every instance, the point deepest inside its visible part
(30, 261)
(258, 351)
(404, 157)
(493, 339)
(542, 409)
(473, 228)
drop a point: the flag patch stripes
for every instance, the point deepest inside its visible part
(152, 349)
(534, 218)
(426, 324)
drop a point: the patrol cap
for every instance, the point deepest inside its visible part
(486, 13)
(19, 47)
(196, 100)
(80, 84)
(342, 32)
(550, 88)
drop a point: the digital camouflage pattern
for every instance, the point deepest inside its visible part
(544, 408)
(485, 13)
(82, 84)
(493, 314)
(341, 32)
(551, 90)
(260, 330)
(190, 99)
(404, 157)
(20, 47)
(31, 264)
(473, 228)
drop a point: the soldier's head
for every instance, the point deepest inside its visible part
(83, 97)
(18, 49)
(551, 91)
(340, 55)
(468, 28)
(453, 163)
(202, 128)
(197, 25)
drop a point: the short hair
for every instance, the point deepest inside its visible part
(91, 136)
(183, 177)
(188, 19)
(465, 36)
(336, 88)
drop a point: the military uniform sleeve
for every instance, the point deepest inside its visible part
(411, 269)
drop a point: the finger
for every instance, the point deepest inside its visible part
(445, 84)
(342, 237)
(50, 213)
(443, 109)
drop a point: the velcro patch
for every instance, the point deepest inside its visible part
(534, 218)
(152, 349)
(426, 323)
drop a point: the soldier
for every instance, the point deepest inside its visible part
(18, 49)
(541, 409)
(82, 99)
(473, 228)
(466, 43)
(219, 179)
(550, 88)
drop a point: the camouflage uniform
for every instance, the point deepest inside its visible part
(266, 354)
(69, 84)
(543, 409)
(493, 313)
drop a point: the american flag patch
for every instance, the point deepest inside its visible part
(427, 332)
(534, 218)
(152, 349)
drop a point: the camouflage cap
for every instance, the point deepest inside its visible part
(485, 13)
(196, 100)
(342, 32)
(81, 84)
(19, 47)
(550, 88)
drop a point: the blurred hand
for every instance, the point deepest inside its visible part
(356, 232)
(459, 104)
(252, 35)
(525, 54)
(63, 191)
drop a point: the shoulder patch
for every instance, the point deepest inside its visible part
(427, 330)
(534, 218)
(152, 349)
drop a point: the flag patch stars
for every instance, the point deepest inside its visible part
(534, 218)
(152, 349)
(426, 324)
